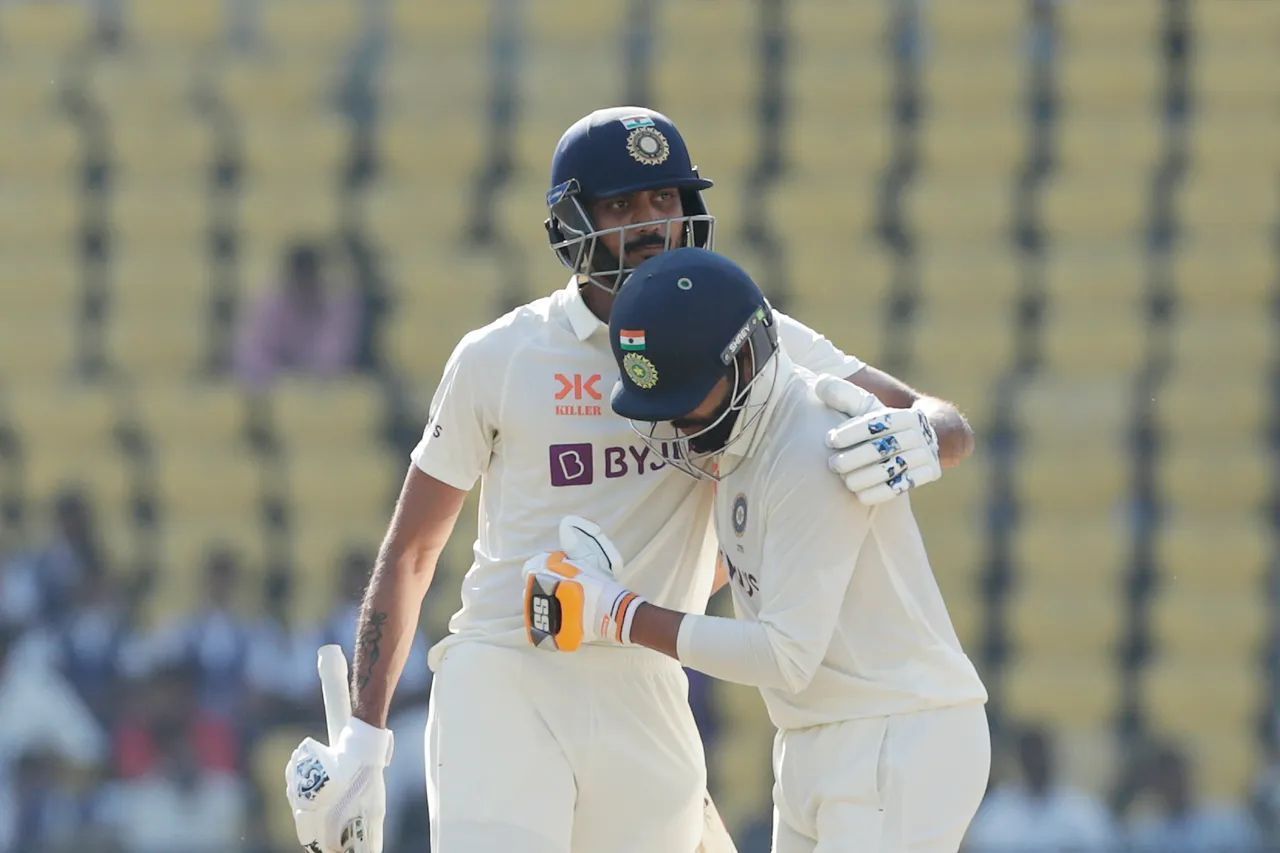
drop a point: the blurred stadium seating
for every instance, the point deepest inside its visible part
(1069, 230)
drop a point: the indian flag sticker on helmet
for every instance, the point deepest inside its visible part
(641, 370)
(631, 340)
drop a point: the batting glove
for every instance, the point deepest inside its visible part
(570, 596)
(882, 453)
(337, 793)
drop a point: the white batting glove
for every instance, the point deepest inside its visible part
(882, 453)
(337, 792)
(570, 596)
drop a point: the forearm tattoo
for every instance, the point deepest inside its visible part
(369, 647)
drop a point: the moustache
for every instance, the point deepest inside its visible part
(645, 242)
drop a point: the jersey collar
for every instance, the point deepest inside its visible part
(584, 323)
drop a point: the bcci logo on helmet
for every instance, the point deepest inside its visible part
(647, 145)
(642, 371)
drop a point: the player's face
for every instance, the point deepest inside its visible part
(707, 412)
(635, 245)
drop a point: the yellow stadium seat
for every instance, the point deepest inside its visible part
(361, 481)
(1202, 555)
(416, 25)
(587, 34)
(1241, 337)
(1047, 623)
(835, 26)
(1110, 83)
(277, 213)
(39, 219)
(162, 217)
(184, 415)
(183, 29)
(822, 74)
(1104, 145)
(1234, 73)
(1081, 340)
(520, 214)
(974, 211)
(1054, 474)
(957, 552)
(694, 77)
(318, 545)
(1102, 207)
(1226, 141)
(1234, 407)
(331, 414)
(1187, 698)
(962, 347)
(839, 288)
(311, 150)
(278, 88)
(969, 150)
(439, 157)
(1067, 694)
(158, 321)
(29, 88)
(172, 149)
(43, 29)
(64, 416)
(1077, 554)
(320, 28)
(184, 547)
(996, 26)
(40, 289)
(1236, 205)
(39, 153)
(1210, 271)
(38, 354)
(821, 217)
(198, 485)
(435, 86)
(1225, 763)
(1229, 479)
(96, 469)
(399, 222)
(1199, 626)
(985, 80)
(820, 144)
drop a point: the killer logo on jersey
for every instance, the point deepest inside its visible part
(647, 145)
(740, 514)
(641, 370)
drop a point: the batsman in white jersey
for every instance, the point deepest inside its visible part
(882, 740)
(595, 752)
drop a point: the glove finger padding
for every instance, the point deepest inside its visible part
(874, 450)
(894, 469)
(587, 547)
(877, 424)
(912, 478)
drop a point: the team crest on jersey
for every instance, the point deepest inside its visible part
(647, 145)
(740, 514)
(641, 370)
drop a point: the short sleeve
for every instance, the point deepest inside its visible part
(458, 442)
(812, 351)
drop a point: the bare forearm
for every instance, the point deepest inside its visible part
(657, 628)
(388, 622)
(955, 436)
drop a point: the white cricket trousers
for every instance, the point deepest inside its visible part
(908, 783)
(593, 751)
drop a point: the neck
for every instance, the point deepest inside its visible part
(599, 300)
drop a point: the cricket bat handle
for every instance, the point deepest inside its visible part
(335, 686)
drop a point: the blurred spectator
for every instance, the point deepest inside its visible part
(39, 710)
(167, 701)
(306, 325)
(88, 642)
(179, 803)
(38, 583)
(1038, 814)
(1180, 823)
(48, 807)
(282, 677)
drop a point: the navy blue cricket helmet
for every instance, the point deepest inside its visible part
(687, 319)
(613, 152)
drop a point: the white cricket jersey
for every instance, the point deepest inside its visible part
(848, 619)
(524, 406)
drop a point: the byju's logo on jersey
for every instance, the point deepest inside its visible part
(744, 581)
(580, 387)
(572, 464)
(575, 464)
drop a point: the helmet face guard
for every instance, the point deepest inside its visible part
(697, 453)
(577, 242)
